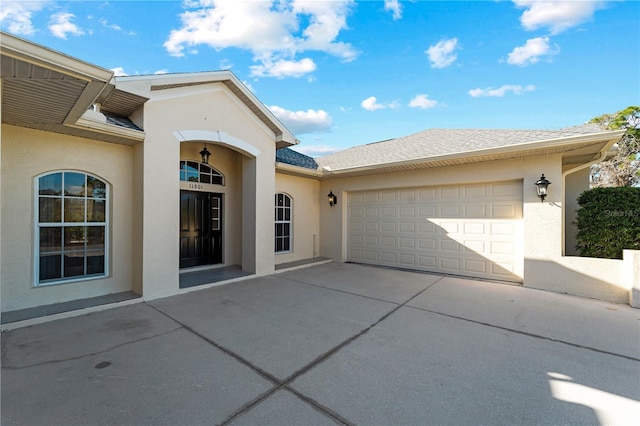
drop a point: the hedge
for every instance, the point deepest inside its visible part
(608, 221)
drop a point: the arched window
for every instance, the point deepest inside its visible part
(71, 227)
(193, 171)
(283, 223)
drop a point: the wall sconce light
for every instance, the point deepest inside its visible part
(205, 154)
(333, 200)
(542, 187)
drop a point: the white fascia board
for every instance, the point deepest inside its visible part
(284, 167)
(108, 129)
(610, 137)
(44, 57)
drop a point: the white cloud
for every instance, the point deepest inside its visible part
(442, 54)
(162, 71)
(283, 68)
(315, 150)
(371, 104)
(60, 25)
(300, 122)
(115, 27)
(501, 91)
(274, 31)
(531, 52)
(395, 7)
(15, 16)
(119, 72)
(423, 102)
(558, 16)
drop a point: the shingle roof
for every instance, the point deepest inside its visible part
(120, 121)
(289, 156)
(437, 142)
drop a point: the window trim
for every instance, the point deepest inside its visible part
(37, 225)
(290, 222)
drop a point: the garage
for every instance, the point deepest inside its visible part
(472, 230)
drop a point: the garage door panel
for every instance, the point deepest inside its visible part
(472, 230)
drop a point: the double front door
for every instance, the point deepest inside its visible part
(200, 228)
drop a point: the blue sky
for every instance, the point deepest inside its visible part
(341, 73)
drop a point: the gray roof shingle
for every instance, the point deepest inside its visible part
(289, 156)
(437, 142)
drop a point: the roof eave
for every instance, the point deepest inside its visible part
(611, 138)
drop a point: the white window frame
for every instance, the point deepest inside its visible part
(289, 222)
(37, 225)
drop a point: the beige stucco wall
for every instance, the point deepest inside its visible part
(27, 153)
(575, 184)
(204, 110)
(306, 216)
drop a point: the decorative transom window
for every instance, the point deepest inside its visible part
(71, 227)
(283, 223)
(193, 171)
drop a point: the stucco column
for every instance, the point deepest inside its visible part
(631, 259)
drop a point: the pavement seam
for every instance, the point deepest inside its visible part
(326, 355)
(524, 333)
(56, 361)
(315, 404)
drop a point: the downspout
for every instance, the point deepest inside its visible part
(603, 155)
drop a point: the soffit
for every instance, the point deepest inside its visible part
(123, 103)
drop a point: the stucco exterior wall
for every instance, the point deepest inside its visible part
(203, 110)
(306, 216)
(575, 184)
(27, 153)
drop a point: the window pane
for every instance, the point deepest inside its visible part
(96, 188)
(278, 244)
(50, 210)
(50, 184)
(74, 184)
(96, 210)
(287, 201)
(192, 176)
(205, 178)
(73, 264)
(287, 214)
(279, 230)
(74, 237)
(95, 262)
(74, 209)
(286, 229)
(205, 169)
(216, 180)
(279, 200)
(95, 238)
(192, 166)
(50, 267)
(286, 246)
(50, 239)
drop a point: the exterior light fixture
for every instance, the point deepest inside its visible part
(205, 154)
(542, 186)
(333, 200)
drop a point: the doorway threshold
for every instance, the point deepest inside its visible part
(210, 275)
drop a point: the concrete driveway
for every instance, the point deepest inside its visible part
(332, 344)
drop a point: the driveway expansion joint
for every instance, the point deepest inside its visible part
(525, 333)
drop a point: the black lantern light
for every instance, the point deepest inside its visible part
(333, 200)
(205, 154)
(542, 187)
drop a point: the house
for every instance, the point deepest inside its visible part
(118, 184)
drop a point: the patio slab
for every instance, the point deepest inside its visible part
(174, 378)
(386, 284)
(417, 367)
(276, 324)
(590, 323)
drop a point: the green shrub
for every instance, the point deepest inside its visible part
(608, 221)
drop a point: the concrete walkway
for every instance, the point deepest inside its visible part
(332, 344)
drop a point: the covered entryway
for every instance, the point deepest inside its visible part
(472, 230)
(200, 228)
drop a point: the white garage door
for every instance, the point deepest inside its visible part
(472, 230)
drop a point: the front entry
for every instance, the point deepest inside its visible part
(200, 228)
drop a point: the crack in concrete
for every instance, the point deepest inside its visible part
(525, 333)
(57, 361)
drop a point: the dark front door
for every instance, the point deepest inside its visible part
(200, 228)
